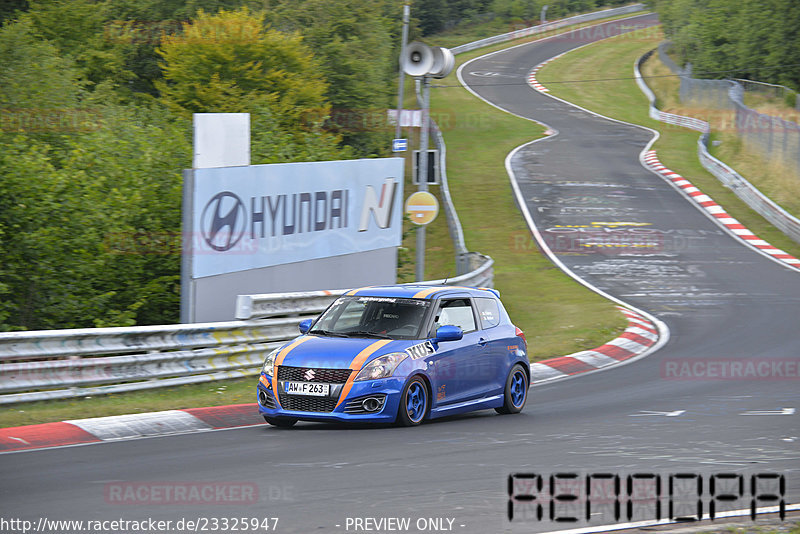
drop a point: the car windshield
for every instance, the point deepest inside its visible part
(379, 317)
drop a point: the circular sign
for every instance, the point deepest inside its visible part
(422, 207)
(224, 221)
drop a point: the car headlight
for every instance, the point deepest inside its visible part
(382, 367)
(269, 362)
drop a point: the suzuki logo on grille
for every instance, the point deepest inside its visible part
(309, 375)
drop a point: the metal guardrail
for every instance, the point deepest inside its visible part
(743, 189)
(127, 359)
(766, 207)
(314, 302)
(548, 26)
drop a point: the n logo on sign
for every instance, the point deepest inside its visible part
(381, 208)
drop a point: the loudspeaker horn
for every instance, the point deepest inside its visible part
(418, 60)
(443, 62)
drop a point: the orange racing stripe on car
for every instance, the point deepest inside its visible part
(286, 350)
(425, 292)
(362, 356)
(357, 362)
(279, 360)
(355, 291)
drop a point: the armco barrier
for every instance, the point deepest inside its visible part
(112, 360)
(96, 361)
(746, 191)
(546, 27)
(314, 302)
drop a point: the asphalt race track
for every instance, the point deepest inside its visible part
(721, 301)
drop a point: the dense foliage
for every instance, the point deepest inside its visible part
(731, 38)
(95, 128)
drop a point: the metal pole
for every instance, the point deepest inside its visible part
(423, 173)
(401, 89)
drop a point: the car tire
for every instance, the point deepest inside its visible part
(282, 422)
(413, 403)
(516, 391)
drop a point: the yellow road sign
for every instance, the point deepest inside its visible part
(422, 207)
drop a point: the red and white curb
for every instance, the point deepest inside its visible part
(717, 211)
(533, 82)
(640, 335)
(120, 427)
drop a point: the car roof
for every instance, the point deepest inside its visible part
(420, 291)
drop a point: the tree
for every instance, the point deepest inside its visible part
(32, 74)
(229, 62)
(432, 15)
(79, 31)
(94, 240)
(80, 175)
(225, 61)
(10, 8)
(727, 38)
(352, 41)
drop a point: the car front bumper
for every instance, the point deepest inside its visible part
(350, 408)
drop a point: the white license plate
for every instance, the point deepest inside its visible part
(315, 389)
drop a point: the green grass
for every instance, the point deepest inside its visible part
(558, 315)
(620, 98)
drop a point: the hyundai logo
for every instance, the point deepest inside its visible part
(309, 375)
(224, 221)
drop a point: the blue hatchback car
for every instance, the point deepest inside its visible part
(400, 354)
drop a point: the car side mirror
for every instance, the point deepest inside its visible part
(448, 333)
(305, 325)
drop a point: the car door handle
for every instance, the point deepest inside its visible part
(482, 342)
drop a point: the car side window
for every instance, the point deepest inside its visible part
(488, 311)
(456, 312)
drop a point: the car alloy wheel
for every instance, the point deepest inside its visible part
(516, 392)
(413, 403)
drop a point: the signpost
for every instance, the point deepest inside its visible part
(424, 62)
(422, 208)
